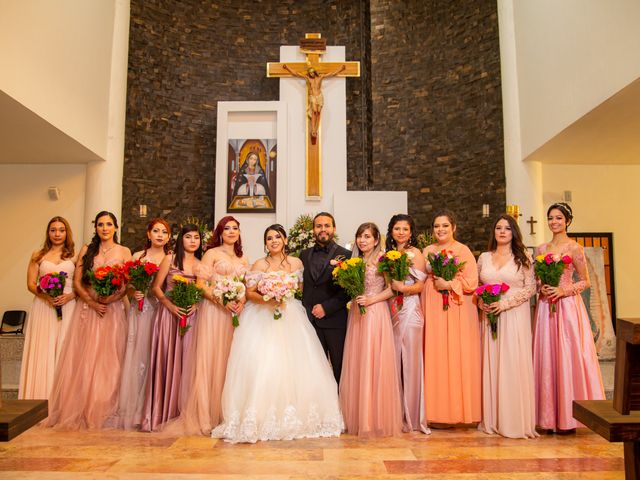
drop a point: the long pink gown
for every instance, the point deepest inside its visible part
(508, 397)
(170, 361)
(87, 380)
(44, 336)
(564, 354)
(136, 364)
(213, 335)
(369, 383)
(452, 356)
(408, 332)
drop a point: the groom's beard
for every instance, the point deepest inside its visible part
(323, 239)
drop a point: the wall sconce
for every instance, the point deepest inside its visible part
(485, 210)
(514, 211)
(143, 211)
(54, 193)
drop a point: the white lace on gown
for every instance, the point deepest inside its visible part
(279, 385)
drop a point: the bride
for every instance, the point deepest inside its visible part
(279, 385)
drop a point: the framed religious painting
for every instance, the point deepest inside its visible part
(252, 165)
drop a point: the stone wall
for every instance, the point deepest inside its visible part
(425, 116)
(186, 56)
(437, 109)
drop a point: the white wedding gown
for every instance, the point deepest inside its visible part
(279, 384)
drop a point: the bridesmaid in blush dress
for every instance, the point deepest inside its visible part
(138, 352)
(44, 333)
(87, 379)
(369, 383)
(508, 398)
(565, 362)
(171, 354)
(214, 330)
(408, 323)
(452, 337)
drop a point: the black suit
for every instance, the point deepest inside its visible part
(319, 289)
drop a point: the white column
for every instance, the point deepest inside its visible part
(104, 179)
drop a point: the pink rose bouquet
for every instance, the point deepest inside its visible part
(489, 294)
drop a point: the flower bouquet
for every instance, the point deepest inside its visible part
(445, 265)
(395, 266)
(349, 274)
(300, 235)
(490, 294)
(229, 290)
(53, 285)
(279, 286)
(549, 269)
(107, 280)
(184, 294)
(140, 275)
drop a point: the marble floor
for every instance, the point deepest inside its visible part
(446, 454)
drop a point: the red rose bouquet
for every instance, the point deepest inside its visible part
(140, 275)
(53, 285)
(445, 265)
(549, 268)
(490, 294)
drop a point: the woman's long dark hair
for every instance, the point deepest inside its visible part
(150, 226)
(178, 259)
(94, 245)
(276, 227)
(216, 238)
(390, 243)
(517, 245)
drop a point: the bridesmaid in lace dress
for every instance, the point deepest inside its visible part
(138, 352)
(508, 398)
(564, 354)
(171, 354)
(452, 371)
(214, 331)
(408, 323)
(87, 379)
(44, 333)
(369, 383)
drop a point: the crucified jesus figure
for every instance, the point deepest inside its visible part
(315, 99)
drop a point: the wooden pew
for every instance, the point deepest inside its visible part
(619, 420)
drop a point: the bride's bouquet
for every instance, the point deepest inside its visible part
(280, 286)
(229, 290)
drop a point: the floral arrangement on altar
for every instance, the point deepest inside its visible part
(424, 239)
(301, 235)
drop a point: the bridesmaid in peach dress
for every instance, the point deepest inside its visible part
(171, 358)
(214, 331)
(44, 333)
(508, 398)
(369, 383)
(408, 323)
(87, 379)
(452, 337)
(138, 352)
(564, 354)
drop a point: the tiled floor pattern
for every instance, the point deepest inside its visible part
(446, 454)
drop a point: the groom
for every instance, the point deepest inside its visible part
(325, 302)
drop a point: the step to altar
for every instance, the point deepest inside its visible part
(11, 346)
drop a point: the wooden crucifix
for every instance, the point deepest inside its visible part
(313, 71)
(531, 223)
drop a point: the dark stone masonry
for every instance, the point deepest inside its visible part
(425, 116)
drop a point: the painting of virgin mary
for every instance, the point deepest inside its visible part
(252, 175)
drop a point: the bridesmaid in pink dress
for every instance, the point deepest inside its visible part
(408, 323)
(508, 398)
(171, 354)
(214, 331)
(564, 354)
(452, 337)
(87, 379)
(369, 383)
(44, 333)
(138, 352)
